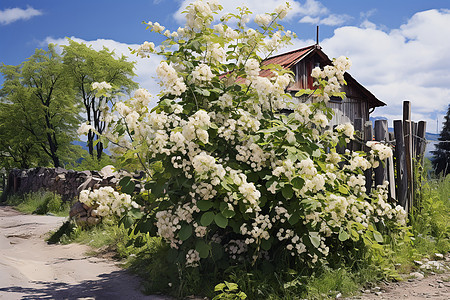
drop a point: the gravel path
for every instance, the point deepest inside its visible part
(421, 284)
(32, 269)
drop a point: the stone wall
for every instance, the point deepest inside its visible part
(67, 183)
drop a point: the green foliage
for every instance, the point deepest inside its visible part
(85, 66)
(441, 156)
(229, 291)
(430, 223)
(41, 203)
(38, 112)
(89, 162)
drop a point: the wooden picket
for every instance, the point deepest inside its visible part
(409, 141)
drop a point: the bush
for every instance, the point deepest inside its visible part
(232, 181)
(41, 203)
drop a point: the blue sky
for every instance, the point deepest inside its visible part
(400, 49)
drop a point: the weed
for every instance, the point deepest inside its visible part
(41, 203)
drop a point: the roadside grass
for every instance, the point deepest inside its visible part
(150, 258)
(41, 203)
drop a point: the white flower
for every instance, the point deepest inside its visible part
(216, 53)
(202, 73)
(145, 49)
(101, 86)
(252, 67)
(282, 10)
(84, 129)
(263, 19)
(157, 28)
(192, 258)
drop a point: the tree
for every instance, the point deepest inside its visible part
(86, 66)
(39, 110)
(441, 160)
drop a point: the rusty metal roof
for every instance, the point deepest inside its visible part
(289, 59)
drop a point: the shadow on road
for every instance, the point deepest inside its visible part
(105, 287)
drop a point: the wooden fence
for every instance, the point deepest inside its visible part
(408, 140)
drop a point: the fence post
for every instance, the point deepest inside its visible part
(414, 139)
(407, 131)
(400, 158)
(390, 171)
(368, 136)
(422, 143)
(381, 129)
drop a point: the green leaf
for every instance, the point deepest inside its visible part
(294, 219)
(124, 181)
(343, 190)
(228, 213)
(298, 182)
(207, 218)
(185, 232)
(377, 236)
(315, 239)
(202, 248)
(129, 188)
(127, 221)
(355, 234)
(343, 235)
(221, 221)
(287, 191)
(266, 244)
(204, 205)
(135, 213)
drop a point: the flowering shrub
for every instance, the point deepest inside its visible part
(229, 177)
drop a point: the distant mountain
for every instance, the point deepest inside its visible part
(432, 136)
(373, 119)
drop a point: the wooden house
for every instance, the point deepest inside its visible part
(358, 102)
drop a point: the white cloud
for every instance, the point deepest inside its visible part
(145, 69)
(407, 63)
(11, 15)
(335, 20)
(330, 20)
(313, 8)
(310, 20)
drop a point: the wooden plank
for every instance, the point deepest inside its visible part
(421, 129)
(368, 136)
(400, 158)
(390, 171)
(381, 132)
(407, 133)
(414, 139)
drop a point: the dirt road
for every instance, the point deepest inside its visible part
(32, 269)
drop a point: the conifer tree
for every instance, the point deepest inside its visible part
(441, 159)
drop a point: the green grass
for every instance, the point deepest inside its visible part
(149, 257)
(41, 203)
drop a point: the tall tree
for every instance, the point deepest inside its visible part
(87, 66)
(441, 160)
(39, 108)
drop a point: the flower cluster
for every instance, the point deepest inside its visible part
(101, 86)
(169, 77)
(381, 150)
(106, 201)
